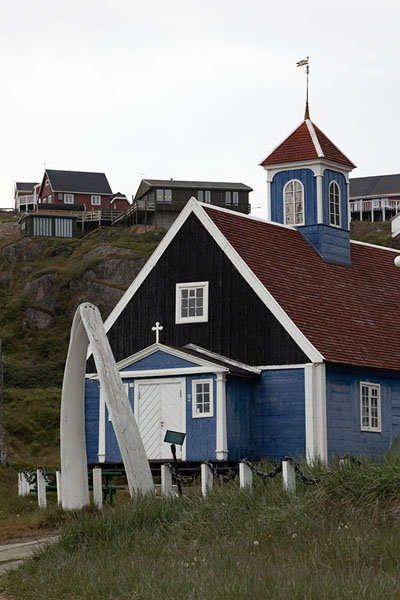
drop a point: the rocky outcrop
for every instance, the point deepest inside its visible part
(41, 291)
(103, 296)
(118, 271)
(37, 319)
(24, 250)
(106, 252)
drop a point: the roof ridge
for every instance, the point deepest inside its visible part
(314, 138)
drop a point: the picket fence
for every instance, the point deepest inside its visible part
(40, 483)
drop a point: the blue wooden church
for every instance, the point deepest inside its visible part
(261, 338)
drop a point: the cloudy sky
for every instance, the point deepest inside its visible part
(192, 89)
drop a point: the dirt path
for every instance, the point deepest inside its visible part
(14, 553)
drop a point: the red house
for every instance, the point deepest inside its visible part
(71, 188)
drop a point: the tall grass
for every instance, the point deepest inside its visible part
(337, 540)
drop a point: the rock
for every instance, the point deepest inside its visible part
(37, 319)
(118, 271)
(64, 250)
(41, 291)
(5, 280)
(103, 296)
(25, 250)
(8, 229)
(104, 252)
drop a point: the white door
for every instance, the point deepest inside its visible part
(159, 405)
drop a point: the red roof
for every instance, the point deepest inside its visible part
(307, 142)
(349, 314)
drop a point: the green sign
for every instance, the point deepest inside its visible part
(174, 437)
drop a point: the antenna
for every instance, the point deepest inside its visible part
(305, 63)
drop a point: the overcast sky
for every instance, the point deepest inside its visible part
(192, 89)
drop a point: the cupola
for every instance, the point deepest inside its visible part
(308, 188)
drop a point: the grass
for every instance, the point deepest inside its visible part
(337, 540)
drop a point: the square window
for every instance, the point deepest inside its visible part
(68, 198)
(95, 200)
(191, 302)
(202, 394)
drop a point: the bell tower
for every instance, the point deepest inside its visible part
(308, 188)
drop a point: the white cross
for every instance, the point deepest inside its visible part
(157, 328)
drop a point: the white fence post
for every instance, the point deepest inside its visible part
(289, 477)
(23, 485)
(206, 479)
(97, 488)
(41, 488)
(20, 484)
(246, 476)
(58, 483)
(166, 482)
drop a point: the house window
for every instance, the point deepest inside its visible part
(208, 197)
(47, 182)
(95, 200)
(164, 195)
(191, 302)
(293, 195)
(200, 195)
(59, 196)
(370, 401)
(334, 204)
(50, 199)
(228, 197)
(235, 197)
(202, 398)
(68, 198)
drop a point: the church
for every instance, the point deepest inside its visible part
(261, 338)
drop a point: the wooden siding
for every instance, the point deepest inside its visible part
(343, 410)
(279, 414)
(306, 176)
(159, 360)
(332, 243)
(239, 417)
(239, 325)
(200, 432)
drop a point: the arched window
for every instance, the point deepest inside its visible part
(294, 203)
(334, 204)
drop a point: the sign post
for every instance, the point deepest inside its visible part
(173, 438)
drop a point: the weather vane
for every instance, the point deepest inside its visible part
(305, 63)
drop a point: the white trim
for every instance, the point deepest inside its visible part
(221, 449)
(265, 296)
(210, 413)
(126, 362)
(168, 372)
(180, 380)
(70, 200)
(180, 287)
(396, 251)
(370, 384)
(294, 202)
(333, 182)
(283, 367)
(309, 163)
(234, 363)
(314, 138)
(320, 201)
(315, 412)
(268, 211)
(97, 196)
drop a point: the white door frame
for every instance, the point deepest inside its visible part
(156, 381)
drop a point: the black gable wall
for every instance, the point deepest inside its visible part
(239, 324)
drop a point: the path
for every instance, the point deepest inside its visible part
(14, 553)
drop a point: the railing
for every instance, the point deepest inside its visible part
(25, 200)
(98, 216)
(374, 204)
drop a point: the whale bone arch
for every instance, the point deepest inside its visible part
(88, 328)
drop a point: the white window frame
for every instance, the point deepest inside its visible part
(178, 298)
(68, 198)
(95, 200)
(210, 413)
(292, 181)
(333, 215)
(370, 386)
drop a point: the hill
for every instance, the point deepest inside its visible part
(42, 281)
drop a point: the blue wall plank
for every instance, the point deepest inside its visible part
(331, 243)
(306, 176)
(159, 360)
(201, 431)
(279, 414)
(239, 416)
(343, 410)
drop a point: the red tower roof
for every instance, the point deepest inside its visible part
(307, 142)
